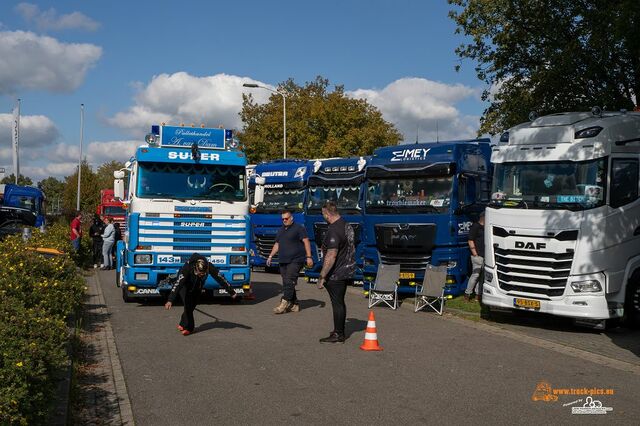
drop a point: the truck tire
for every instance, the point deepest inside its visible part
(632, 302)
(125, 297)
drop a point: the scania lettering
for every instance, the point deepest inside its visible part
(187, 193)
(420, 201)
(284, 185)
(340, 180)
(562, 231)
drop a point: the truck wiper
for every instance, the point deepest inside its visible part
(561, 206)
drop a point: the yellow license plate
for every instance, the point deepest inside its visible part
(527, 304)
(407, 275)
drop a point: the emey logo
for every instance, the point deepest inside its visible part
(530, 245)
(410, 154)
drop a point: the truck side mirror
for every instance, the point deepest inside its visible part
(118, 189)
(259, 190)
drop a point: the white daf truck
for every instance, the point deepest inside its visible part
(562, 231)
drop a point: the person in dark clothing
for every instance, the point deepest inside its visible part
(476, 245)
(188, 286)
(338, 267)
(95, 232)
(118, 237)
(292, 244)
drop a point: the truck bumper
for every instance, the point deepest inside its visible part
(573, 306)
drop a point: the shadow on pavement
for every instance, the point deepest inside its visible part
(311, 303)
(93, 400)
(625, 338)
(218, 323)
(354, 325)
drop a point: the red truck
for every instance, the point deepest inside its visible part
(110, 207)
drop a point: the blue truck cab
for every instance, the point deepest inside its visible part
(28, 199)
(285, 187)
(420, 202)
(340, 180)
(187, 194)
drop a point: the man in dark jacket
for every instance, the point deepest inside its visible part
(189, 284)
(95, 231)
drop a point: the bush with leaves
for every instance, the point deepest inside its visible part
(37, 295)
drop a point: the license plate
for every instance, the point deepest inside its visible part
(526, 304)
(407, 275)
(218, 260)
(169, 260)
(223, 291)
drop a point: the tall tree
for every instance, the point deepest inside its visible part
(550, 55)
(53, 189)
(320, 123)
(104, 174)
(22, 179)
(89, 190)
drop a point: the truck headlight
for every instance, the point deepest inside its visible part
(589, 286)
(142, 258)
(235, 259)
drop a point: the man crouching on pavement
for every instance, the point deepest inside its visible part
(189, 284)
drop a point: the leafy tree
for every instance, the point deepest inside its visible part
(89, 190)
(53, 189)
(320, 123)
(22, 180)
(550, 55)
(104, 174)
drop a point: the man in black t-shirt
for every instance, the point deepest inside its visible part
(338, 267)
(292, 244)
(476, 245)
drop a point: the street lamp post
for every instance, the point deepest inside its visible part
(284, 112)
(80, 159)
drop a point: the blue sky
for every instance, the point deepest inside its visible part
(134, 63)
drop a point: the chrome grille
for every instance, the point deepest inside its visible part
(264, 244)
(533, 272)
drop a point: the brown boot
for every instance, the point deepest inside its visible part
(294, 307)
(478, 298)
(282, 307)
(467, 297)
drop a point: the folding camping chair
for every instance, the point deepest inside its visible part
(431, 292)
(385, 288)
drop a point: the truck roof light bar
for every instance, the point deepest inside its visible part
(504, 137)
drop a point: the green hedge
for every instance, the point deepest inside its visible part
(37, 294)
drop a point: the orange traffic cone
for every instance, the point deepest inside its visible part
(371, 336)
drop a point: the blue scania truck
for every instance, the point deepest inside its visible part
(186, 194)
(285, 187)
(340, 180)
(419, 205)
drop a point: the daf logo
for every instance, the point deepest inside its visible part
(530, 246)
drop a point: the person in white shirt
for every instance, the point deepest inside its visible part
(108, 238)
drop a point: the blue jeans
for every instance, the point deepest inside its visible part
(76, 244)
(106, 254)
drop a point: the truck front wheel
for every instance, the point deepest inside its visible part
(125, 295)
(632, 301)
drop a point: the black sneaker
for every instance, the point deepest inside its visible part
(333, 338)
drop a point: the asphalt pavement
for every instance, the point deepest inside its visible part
(245, 365)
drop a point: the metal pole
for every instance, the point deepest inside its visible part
(284, 121)
(80, 159)
(16, 142)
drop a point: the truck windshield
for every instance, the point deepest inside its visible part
(346, 197)
(113, 211)
(409, 195)
(568, 185)
(276, 199)
(191, 181)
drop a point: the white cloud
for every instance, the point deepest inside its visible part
(33, 62)
(50, 20)
(35, 131)
(183, 98)
(418, 105)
